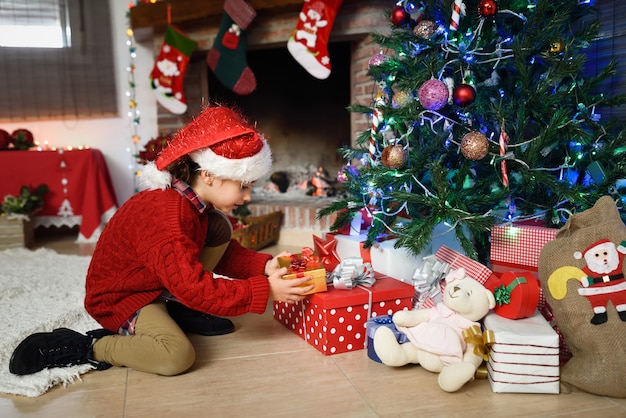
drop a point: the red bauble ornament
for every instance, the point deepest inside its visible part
(399, 16)
(464, 95)
(487, 8)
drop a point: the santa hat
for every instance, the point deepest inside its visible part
(221, 142)
(578, 255)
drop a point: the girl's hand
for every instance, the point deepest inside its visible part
(289, 291)
(272, 265)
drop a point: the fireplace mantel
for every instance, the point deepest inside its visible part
(187, 13)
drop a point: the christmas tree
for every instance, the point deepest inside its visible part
(481, 114)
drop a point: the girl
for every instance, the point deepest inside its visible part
(151, 275)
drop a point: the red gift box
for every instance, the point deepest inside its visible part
(335, 321)
(517, 295)
(516, 247)
(473, 268)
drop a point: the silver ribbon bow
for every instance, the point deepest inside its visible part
(427, 279)
(352, 271)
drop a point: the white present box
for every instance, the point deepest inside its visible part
(398, 263)
(525, 355)
(352, 246)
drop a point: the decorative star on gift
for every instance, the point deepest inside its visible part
(326, 250)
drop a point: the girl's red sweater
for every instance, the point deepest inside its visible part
(152, 244)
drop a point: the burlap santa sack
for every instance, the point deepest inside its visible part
(582, 275)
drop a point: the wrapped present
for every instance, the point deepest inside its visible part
(351, 246)
(398, 263)
(304, 264)
(473, 269)
(517, 295)
(524, 357)
(372, 325)
(516, 247)
(334, 321)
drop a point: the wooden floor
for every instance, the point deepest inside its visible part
(263, 370)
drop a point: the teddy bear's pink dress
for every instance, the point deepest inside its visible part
(442, 334)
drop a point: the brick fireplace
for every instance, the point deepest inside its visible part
(305, 125)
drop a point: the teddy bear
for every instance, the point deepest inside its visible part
(436, 334)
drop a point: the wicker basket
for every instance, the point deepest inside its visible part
(260, 231)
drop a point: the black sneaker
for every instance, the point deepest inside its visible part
(194, 322)
(59, 348)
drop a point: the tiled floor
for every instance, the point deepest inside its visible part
(263, 370)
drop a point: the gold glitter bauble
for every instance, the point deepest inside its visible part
(474, 146)
(557, 47)
(394, 156)
(425, 29)
(401, 98)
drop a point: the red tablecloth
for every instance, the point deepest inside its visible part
(81, 191)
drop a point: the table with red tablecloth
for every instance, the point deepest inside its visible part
(81, 192)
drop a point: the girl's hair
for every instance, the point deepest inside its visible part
(184, 169)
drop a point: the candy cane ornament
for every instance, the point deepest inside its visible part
(504, 141)
(458, 10)
(377, 120)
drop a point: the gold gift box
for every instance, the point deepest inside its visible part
(318, 276)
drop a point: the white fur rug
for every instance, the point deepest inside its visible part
(39, 291)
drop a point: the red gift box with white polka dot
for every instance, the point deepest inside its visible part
(334, 321)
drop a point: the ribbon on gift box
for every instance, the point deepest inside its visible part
(502, 293)
(427, 281)
(352, 272)
(327, 251)
(482, 340)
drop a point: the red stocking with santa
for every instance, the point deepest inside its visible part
(309, 42)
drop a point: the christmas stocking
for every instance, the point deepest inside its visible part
(166, 78)
(227, 58)
(309, 42)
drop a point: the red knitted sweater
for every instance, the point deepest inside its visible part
(153, 243)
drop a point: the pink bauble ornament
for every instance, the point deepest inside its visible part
(487, 8)
(399, 16)
(463, 95)
(433, 94)
(378, 59)
(474, 146)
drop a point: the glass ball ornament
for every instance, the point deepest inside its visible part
(557, 47)
(400, 99)
(433, 94)
(394, 156)
(487, 8)
(399, 16)
(378, 59)
(425, 29)
(474, 146)
(463, 95)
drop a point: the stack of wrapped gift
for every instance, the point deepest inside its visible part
(335, 321)
(525, 355)
(515, 247)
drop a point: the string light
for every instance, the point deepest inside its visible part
(134, 115)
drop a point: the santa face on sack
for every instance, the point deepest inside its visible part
(605, 280)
